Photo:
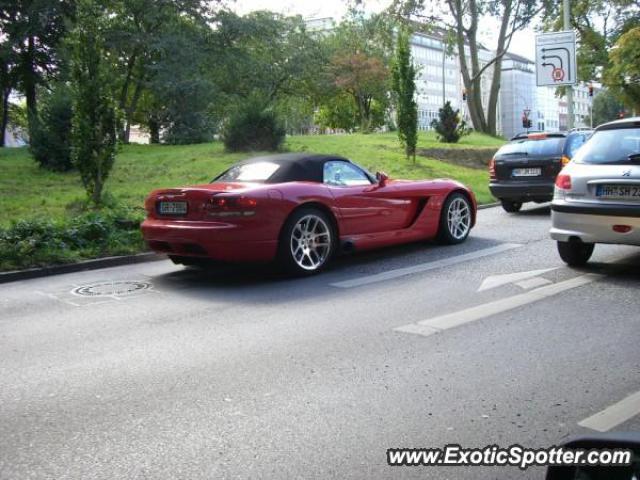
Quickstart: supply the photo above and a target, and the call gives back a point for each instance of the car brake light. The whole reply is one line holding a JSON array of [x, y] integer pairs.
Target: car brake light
[[565, 160], [492, 168], [622, 228], [537, 136], [224, 206], [563, 182]]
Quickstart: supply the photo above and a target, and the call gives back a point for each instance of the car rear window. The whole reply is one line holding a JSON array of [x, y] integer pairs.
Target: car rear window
[[611, 146], [545, 146], [249, 172], [574, 142]]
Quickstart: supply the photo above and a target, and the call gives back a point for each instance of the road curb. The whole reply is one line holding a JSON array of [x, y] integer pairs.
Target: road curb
[[488, 205], [95, 264]]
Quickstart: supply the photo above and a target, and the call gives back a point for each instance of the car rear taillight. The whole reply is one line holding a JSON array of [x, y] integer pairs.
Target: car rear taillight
[[492, 169], [565, 160], [622, 228], [563, 182], [226, 206]]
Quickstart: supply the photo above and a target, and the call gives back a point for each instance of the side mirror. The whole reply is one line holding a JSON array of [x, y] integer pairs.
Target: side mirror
[[382, 178]]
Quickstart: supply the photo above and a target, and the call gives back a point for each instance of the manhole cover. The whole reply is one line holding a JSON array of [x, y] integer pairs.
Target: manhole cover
[[111, 289]]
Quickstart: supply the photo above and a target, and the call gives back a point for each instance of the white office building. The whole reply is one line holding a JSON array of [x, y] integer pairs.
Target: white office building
[[517, 94], [547, 110], [439, 79]]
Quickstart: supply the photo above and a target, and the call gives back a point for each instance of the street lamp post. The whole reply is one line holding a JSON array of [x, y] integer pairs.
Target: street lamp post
[[567, 26]]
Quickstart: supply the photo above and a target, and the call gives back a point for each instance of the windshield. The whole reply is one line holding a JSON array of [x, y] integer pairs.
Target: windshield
[[610, 146], [547, 146], [249, 172]]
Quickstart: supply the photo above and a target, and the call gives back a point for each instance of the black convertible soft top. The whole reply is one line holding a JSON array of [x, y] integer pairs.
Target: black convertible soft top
[[296, 167]]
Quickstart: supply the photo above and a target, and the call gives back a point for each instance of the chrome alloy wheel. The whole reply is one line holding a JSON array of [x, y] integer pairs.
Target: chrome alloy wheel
[[459, 218], [310, 242]]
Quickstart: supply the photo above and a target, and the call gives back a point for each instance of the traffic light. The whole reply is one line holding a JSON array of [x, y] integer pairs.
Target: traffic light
[[464, 94], [591, 90]]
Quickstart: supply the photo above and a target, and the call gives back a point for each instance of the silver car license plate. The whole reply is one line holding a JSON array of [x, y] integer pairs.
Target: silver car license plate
[[618, 192], [526, 172], [172, 208]]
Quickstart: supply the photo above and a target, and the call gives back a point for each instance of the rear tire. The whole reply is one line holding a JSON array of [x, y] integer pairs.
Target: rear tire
[[511, 206], [455, 219], [575, 254], [307, 242]]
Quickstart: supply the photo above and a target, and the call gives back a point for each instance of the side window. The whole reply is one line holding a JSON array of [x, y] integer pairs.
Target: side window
[[343, 174], [574, 142]]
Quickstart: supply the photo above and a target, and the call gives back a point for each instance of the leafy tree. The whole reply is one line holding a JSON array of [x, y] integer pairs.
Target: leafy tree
[[338, 112], [7, 81], [404, 87], [94, 116], [271, 56], [253, 127], [360, 50], [268, 53], [606, 108], [137, 36], [449, 125], [50, 141], [599, 24], [623, 75], [32, 32], [365, 79], [466, 15], [297, 112], [180, 93]]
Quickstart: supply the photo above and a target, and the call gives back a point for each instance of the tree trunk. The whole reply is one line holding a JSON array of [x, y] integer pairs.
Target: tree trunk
[[131, 109], [29, 83], [5, 115], [472, 86], [124, 93], [154, 130], [494, 93]]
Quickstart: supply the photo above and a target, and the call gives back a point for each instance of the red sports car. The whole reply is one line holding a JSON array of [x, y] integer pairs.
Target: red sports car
[[301, 209]]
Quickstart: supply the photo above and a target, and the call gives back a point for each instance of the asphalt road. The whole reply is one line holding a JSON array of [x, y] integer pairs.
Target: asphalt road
[[240, 373]]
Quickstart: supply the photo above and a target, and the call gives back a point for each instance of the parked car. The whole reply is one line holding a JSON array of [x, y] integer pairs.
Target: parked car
[[301, 209], [525, 169], [597, 196]]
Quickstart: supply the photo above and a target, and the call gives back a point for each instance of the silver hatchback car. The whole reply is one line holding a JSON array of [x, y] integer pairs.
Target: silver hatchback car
[[597, 195]]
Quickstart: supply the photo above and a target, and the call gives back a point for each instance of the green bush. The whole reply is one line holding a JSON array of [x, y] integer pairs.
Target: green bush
[[253, 127], [50, 141], [449, 125], [90, 234]]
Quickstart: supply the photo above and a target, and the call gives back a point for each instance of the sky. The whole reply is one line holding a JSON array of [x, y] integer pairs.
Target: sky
[[523, 42]]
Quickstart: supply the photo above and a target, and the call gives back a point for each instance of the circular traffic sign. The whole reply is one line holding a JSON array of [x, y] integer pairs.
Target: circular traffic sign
[[557, 74]]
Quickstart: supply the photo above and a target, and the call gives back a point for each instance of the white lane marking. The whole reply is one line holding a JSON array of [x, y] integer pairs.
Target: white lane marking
[[498, 280], [423, 267], [614, 415], [533, 283], [451, 320]]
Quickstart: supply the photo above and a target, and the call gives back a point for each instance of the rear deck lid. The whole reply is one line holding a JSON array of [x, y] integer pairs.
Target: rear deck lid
[[188, 203], [537, 158], [607, 168]]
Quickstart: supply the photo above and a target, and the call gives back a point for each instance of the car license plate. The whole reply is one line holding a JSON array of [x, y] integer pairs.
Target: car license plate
[[526, 172], [619, 192], [172, 208]]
